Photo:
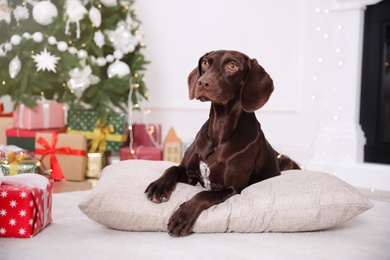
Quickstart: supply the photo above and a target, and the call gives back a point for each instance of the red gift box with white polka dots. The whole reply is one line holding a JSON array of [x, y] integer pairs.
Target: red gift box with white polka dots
[[24, 210]]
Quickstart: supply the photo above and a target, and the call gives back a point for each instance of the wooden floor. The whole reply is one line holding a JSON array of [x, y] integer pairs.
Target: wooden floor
[[66, 186]]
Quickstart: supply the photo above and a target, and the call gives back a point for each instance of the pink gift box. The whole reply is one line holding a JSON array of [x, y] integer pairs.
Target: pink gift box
[[24, 209], [46, 115], [141, 153], [146, 135]]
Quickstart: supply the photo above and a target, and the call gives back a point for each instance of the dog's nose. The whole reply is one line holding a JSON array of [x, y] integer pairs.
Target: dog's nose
[[203, 83]]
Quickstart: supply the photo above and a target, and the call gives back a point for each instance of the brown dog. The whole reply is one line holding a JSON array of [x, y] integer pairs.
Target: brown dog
[[230, 151]]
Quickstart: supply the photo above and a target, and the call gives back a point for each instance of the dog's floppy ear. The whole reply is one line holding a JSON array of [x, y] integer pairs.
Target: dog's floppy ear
[[192, 79], [257, 87]]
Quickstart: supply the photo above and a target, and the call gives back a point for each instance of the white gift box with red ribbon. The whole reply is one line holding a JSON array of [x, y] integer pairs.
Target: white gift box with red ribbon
[[25, 204]]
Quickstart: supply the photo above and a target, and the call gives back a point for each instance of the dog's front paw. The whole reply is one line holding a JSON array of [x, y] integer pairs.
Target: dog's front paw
[[159, 191], [182, 220]]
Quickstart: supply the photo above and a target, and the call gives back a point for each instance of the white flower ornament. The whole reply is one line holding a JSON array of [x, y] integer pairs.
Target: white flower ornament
[[75, 12]]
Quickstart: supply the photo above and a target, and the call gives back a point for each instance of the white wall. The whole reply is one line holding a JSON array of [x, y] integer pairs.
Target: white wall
[[311, 49], [277, 33]]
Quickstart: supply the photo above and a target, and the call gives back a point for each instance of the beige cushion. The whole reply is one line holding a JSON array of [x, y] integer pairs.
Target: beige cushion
[[294, 201]]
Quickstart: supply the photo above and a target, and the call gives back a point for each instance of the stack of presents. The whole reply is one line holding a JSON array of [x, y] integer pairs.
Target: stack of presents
[[37, 142]]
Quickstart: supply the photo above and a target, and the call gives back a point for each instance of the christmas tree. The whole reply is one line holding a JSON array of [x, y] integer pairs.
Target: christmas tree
[[81, 52]]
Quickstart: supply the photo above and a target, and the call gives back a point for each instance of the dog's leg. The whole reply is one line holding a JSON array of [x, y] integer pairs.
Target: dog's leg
[[183, 219], [161, 189]]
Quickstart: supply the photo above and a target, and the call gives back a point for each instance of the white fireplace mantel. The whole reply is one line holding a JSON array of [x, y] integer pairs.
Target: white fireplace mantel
[[340, 5], [339, 144]]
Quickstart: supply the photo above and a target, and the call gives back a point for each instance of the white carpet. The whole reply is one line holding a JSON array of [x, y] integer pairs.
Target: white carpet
[[73, 236]]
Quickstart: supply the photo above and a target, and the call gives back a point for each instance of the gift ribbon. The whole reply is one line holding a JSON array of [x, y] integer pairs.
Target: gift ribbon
[[46, 113], [108, 137], [14, 160], [99, 135], [21, 112], [99, 138], [51, 150]]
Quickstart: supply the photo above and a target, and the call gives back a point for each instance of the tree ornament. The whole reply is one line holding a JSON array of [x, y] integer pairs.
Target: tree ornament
[[98, 38], [26, 35], [15, 39], [75, 12], [43, 12], [118, 54], [121, 39], [72, 50], [45, 61], [62, 46], [14, 67], [101, 62], [21, 13], [124, 2], [118, 68], [95, 16], [109, 3], [82, 54], [7, 46], [52, 40], [81, 79], [5, 12], [110, 58], [37, 37]]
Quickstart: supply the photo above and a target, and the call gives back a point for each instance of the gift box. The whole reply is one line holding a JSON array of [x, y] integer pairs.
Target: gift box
[[25, 205], [64, 154], [5, 123], [103, 135], [96, 162], [26, 138], [17, 163], [45, 115], [141, 153], [2, 113], [4, 149], [146, 135]]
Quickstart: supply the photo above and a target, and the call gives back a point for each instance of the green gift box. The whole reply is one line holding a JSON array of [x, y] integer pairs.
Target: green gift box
[[107, 134]]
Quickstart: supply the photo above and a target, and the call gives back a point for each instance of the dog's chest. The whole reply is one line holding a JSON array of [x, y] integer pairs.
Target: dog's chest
[[205, 174]]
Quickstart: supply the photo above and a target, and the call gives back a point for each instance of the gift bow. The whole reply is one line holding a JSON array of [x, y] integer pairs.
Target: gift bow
[[14, 160], [99, 138], [51, 150]]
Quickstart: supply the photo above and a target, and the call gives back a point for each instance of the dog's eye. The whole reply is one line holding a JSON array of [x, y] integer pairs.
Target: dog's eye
[[232, 66], [205, 63]]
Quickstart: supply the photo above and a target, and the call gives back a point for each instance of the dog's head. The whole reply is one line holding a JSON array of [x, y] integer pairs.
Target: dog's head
[[225, 76]]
